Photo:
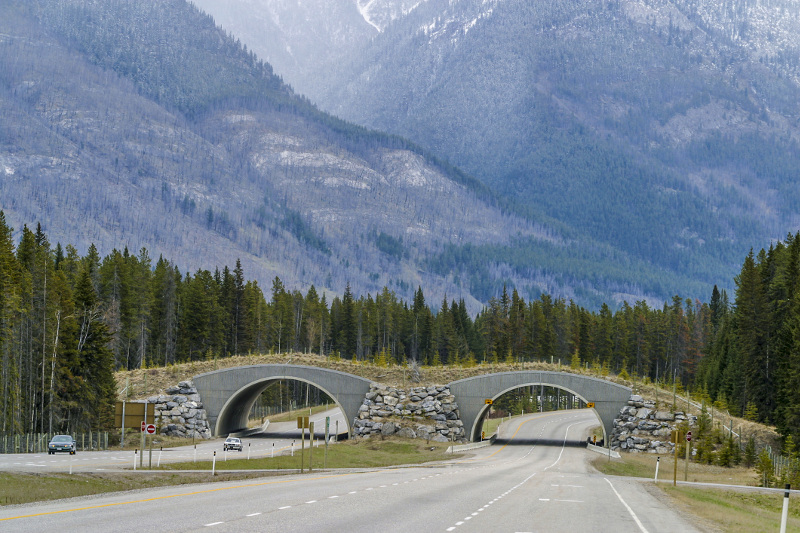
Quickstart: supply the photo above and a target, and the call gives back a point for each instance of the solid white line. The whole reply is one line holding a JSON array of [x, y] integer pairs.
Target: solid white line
[[635, 518]]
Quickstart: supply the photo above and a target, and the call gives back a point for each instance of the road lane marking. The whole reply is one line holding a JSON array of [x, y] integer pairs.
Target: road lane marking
[[284, 507], [253, 514], [635, 518], [214, 524]]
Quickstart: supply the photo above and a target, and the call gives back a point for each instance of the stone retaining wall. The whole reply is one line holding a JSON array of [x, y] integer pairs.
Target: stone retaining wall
[[180, 412], [421, 412], [642, 429]]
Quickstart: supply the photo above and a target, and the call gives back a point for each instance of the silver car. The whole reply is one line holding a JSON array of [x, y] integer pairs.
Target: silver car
[[232, 443], [62, 443]]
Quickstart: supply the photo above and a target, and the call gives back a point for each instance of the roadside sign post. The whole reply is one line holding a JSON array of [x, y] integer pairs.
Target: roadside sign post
[[302, 424], [686, 464], [150, 429], [327, 432], [675, 469], [310, 446]]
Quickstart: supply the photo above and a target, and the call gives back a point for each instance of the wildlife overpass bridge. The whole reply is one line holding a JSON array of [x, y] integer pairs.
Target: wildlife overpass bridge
[[228, 395], [472, 394]]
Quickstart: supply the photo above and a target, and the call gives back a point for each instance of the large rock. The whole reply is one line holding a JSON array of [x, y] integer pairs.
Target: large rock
[[406, 433]]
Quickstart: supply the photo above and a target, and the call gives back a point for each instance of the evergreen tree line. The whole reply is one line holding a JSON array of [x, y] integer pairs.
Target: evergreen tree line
[[67, 322], [751, 360]]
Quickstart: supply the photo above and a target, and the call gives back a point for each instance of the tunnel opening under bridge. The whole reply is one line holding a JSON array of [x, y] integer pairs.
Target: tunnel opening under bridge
[[229, 395], [476, 394], [526, 400], [282, 401]]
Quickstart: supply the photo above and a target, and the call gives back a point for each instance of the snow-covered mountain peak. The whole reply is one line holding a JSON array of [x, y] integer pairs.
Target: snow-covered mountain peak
[[380, 13]]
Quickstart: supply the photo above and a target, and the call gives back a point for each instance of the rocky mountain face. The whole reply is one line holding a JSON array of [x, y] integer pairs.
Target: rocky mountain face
[[663, 131], [143, 125]]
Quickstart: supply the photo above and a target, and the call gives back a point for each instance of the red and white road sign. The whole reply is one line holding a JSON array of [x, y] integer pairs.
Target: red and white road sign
[[151, 429], [688, 436], [143, 426]]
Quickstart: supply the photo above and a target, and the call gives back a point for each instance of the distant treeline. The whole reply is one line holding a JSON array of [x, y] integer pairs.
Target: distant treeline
[[67, 322]]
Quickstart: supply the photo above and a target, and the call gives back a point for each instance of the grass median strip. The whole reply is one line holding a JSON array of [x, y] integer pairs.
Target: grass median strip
[[22, 488], [370, 453]]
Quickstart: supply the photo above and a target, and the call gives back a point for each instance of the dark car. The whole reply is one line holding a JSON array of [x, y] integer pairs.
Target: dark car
[[232, 443], [62, 443]]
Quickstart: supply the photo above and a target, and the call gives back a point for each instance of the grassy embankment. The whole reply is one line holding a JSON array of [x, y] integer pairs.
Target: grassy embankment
[[727, 509]]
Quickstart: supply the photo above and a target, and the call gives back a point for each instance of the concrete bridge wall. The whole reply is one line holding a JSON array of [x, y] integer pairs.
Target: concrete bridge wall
[[229, 394], [472, 393]]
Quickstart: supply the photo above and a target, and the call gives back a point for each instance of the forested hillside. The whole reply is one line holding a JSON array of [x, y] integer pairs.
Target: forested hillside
[[666, 130], [68, 321]]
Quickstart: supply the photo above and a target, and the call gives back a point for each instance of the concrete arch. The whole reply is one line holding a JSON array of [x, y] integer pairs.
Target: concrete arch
[[472, 393], [229, 394]]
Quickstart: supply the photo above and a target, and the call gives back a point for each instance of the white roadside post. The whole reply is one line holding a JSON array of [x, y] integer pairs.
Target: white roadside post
[[248, 451], [658, 462], [160, 451], [272, 456], [134, 459], [214, 464], [785, 513]]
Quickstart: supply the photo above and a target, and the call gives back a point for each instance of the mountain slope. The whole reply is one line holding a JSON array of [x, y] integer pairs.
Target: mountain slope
[[143, 125], [667, 129]]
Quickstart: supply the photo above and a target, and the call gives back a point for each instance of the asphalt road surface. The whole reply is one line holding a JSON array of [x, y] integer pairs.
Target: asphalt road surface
[[276, 440], [536, 478]]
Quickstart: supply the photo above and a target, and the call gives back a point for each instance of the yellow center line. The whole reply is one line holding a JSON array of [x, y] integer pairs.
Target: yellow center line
[[218, 489]]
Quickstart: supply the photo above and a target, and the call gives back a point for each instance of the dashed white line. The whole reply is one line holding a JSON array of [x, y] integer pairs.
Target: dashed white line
[[253, 514], [284, 507], [214, 524]]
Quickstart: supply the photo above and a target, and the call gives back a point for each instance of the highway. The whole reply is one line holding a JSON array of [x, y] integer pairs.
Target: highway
[[276, 440], [536, 478]]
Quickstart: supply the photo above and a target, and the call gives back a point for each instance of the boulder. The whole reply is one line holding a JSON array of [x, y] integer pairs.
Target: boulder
[[406, 433]]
